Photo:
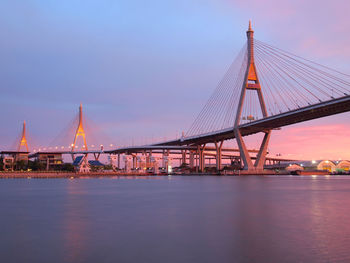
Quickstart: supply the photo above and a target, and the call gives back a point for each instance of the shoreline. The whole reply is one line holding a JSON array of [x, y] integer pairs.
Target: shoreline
[[75, 175], [69, 175], [72, 175]]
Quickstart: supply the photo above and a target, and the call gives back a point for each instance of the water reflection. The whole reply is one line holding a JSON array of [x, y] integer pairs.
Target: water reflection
[[177, 219], [75, 225]]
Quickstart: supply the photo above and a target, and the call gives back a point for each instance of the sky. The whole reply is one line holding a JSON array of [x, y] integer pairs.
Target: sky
[[144, 69]]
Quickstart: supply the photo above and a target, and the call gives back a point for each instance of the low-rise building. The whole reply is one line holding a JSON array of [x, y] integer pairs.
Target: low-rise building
[[49, 160], [13, 158]]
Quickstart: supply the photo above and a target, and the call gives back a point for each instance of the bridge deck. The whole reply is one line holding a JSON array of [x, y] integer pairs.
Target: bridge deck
[[322, 109]]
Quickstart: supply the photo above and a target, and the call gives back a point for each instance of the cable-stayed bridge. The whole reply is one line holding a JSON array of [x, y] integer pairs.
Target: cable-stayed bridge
[[265, 88]]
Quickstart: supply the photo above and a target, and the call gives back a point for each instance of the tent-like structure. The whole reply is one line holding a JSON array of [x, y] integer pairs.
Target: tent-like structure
[[326, 165], [294, 167], [343, 166]]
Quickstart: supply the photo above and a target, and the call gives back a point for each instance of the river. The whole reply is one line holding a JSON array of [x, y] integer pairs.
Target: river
[[176, 219]]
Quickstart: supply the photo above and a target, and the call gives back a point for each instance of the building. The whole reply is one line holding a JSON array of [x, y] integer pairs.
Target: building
[[321, 165], [12, 159], [49, 160], [82, 165], [8, 163]]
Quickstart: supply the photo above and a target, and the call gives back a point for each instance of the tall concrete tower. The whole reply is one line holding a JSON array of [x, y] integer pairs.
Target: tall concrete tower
[[251, 82], [23, 142], [80, 130]]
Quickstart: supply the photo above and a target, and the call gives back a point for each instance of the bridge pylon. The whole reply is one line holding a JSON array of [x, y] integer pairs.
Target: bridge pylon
[[80, 132], [23, 141], [251, 82]]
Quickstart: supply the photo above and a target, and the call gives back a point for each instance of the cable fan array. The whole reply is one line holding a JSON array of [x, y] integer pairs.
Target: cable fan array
[[220, 109], [94, 136], [288, 82]]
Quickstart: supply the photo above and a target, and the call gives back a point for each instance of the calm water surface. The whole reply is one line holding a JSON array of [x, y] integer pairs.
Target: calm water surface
[[176, 219]]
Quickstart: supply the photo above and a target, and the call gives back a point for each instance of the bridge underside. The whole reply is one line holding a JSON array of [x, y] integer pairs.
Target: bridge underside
[[199, 143], [322, 109]]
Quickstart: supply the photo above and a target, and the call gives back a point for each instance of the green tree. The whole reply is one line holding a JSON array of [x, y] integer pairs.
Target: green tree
[[68, 167], [36, 165], [108, 167], [21, 165]]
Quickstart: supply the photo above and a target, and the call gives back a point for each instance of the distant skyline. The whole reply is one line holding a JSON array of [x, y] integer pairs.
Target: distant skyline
[[144, 69]]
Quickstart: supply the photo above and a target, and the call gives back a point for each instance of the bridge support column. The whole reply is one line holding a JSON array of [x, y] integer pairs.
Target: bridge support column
[[248, 164], [191, 159], [148, 159], [218, 147], [118, 160], [261, 157], [134, 162], [197, 157], [166, 163], [183, 160], [201, 158], [201, 161], [97, 156]]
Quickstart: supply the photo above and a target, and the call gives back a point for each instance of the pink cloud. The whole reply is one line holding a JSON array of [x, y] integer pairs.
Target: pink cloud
[[313, 142]]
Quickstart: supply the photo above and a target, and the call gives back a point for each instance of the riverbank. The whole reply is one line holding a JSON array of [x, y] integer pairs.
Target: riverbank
[[71, 175], [45, 175]]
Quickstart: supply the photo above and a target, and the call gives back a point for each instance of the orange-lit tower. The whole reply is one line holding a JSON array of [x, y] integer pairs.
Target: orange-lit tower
[[80, 130], [251, 82], [23, 142]]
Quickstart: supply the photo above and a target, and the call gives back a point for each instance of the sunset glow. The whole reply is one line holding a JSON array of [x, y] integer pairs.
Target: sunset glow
[[135, 74]]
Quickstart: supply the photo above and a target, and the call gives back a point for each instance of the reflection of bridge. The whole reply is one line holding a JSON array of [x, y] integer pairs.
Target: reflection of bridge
[[264, 89]]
